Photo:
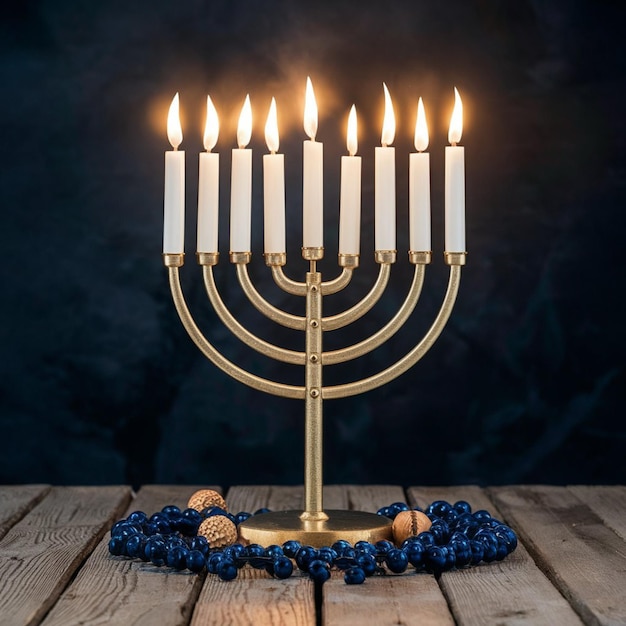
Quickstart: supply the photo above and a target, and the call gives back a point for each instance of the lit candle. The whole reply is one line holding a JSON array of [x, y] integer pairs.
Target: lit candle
[[273, 187], [208, 184], [174, 196], [419, 187], [385, 182], [455, 181], [241, 184], [350, 200], [312, 176]]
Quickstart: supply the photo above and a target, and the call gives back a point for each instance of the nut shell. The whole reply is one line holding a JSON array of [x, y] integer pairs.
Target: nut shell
[[219, 531], [205, 498], [409, 524]]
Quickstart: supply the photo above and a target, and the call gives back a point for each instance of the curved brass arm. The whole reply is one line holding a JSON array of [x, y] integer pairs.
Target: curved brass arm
[[262, 384], [258, 344], [337, 284], [276, 315], [410, 359], [369, 344], [286, 284], [361, 308]]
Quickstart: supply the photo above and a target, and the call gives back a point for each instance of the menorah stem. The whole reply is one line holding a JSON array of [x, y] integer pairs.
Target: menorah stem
[[313, 428]]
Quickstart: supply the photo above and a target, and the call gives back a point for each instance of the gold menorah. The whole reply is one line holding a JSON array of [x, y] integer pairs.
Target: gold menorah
[[313, 525]]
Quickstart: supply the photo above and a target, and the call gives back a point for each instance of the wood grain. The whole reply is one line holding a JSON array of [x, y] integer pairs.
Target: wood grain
[[582, 557], [608, 503], [406, 599], [116, 590], [254, 597], [40, 554], [16, 501], [514, 591]]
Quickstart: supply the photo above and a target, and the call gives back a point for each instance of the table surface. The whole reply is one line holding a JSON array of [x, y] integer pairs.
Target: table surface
[[55, 569]]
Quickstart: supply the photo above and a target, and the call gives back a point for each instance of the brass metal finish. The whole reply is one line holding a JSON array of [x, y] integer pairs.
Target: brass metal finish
[[275, 258], [173, 260], [286, 284], [348, 260], [281, 526], [312, 254], [208, 258], [421, 258], [240, 258], [385, 256], [337, 284], [455, 258]]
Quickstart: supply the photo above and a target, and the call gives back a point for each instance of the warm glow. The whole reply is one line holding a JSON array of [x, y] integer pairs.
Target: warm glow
[[389, 122], [271, 129], [174, 131], [352, 142], [310, 111], [212, 126], [244, 128], [421, 129], [456, 121]]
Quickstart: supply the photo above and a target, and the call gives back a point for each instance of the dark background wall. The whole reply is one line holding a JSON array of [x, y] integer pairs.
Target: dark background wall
[[99, 382]]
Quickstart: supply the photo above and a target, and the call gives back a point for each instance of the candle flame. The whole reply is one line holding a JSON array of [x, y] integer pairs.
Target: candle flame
[[244, 128], [212, 126], [271, 129], [456, 121], [352, 142], [421, 129], [174, 131], [389, 122], [310, 111]]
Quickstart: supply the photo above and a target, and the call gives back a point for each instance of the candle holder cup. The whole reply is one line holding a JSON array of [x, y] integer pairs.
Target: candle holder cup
[[313, 525]]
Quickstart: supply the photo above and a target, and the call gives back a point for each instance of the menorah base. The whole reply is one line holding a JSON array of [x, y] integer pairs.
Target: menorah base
[[280, 526]]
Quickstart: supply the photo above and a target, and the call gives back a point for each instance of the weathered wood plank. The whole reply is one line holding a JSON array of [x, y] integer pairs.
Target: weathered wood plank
[[512, 592], [581, 556], [608, 502], [119, 591], [406, 599], [16, 501], [255, 597], [40, 554]]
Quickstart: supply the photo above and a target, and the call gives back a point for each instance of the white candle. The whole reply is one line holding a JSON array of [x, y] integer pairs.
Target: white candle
[[174, 195], [312, 177], [208, 184], [455, 181], [273, 187], [419, 187], [241, 184], [385, 182], [350, 200]]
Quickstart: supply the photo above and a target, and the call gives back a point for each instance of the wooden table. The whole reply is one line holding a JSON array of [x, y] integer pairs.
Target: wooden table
[[570, 566]]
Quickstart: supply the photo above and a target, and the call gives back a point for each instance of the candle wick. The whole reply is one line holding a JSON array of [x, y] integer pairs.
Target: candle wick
[[272, 151], [453, 144], [384, 145]]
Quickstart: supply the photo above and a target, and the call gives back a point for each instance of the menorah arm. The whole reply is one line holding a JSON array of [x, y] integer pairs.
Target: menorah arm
[[354, 313], [281, 317], [369, 344], [410, 359], [256, 382], [258, 344]]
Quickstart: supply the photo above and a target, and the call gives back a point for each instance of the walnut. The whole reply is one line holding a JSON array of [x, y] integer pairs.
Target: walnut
[[218, 530], [205, 498], [409, 524]]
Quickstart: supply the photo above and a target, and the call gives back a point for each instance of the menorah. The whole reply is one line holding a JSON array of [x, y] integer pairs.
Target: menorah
[[313, 524]]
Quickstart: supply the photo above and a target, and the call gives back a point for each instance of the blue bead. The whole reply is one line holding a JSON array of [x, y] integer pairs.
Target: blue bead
[[481, 515], [367, 563], [427, 539], [261, 511], [177, 558], [415, 553], [227, 570], [396, 560], [344, 562], [200, 543], [213, 561], [117, 546], [384, 512], [135, 545], [327, 554], [397, 507], [156, 550], [256, 555], [171, 511], [149, 529], [478, 551], [137, 517], [341, 546], [435, 559], [273, 551], [319, 571], [383, 546], [461, 506], [283, 567], [304, 556], [365, 546], [195, 561], [354, 576], [440, 508], [490, 544], [290, 548], [441, 531], [242, 517]]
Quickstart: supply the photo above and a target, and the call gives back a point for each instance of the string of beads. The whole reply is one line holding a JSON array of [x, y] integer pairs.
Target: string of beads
[[457, 538]]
